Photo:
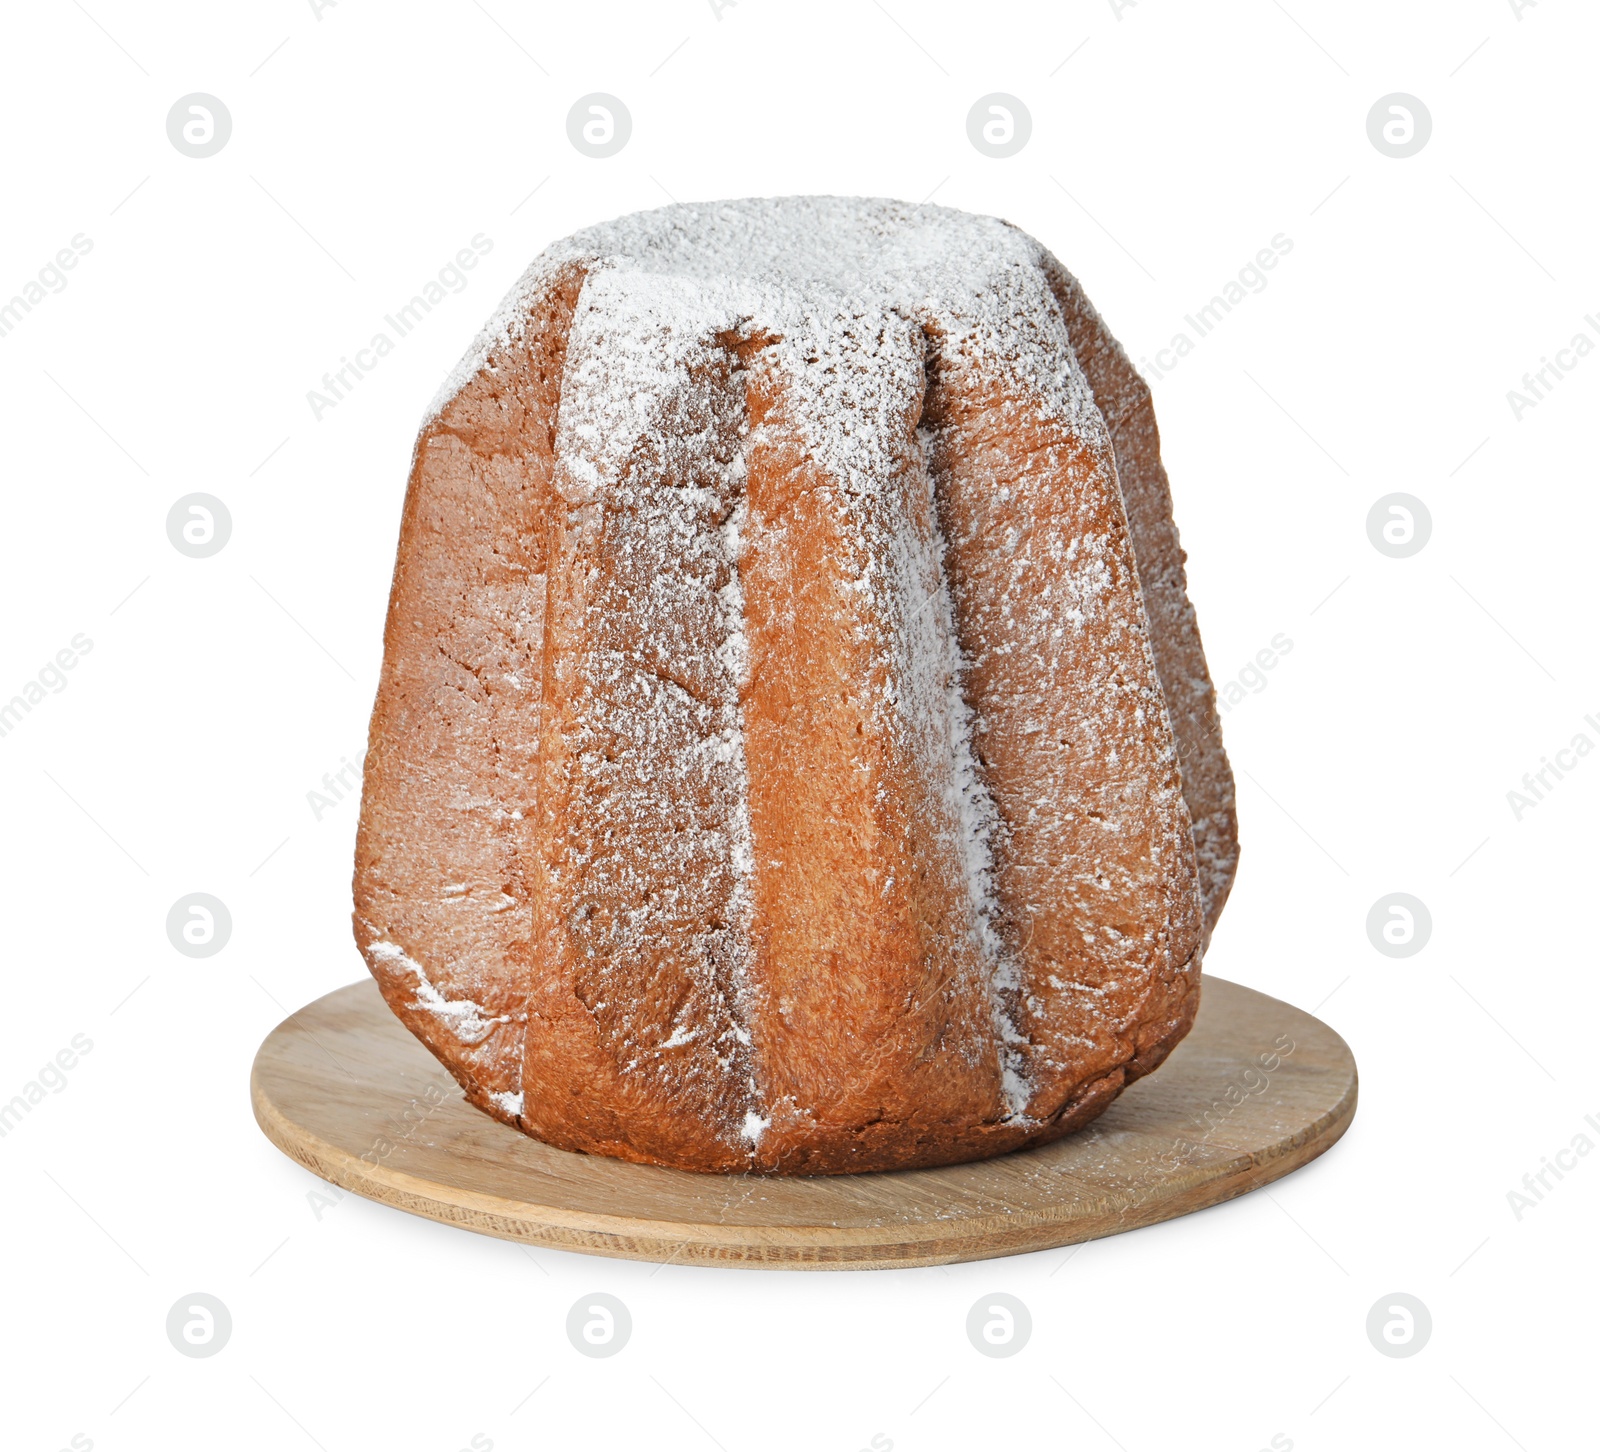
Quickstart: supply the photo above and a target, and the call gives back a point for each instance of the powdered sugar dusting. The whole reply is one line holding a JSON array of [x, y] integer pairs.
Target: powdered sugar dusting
[[467, 1020], [933, 707]]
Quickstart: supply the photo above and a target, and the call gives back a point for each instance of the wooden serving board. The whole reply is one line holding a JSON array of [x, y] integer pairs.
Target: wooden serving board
[[1256, 1090]]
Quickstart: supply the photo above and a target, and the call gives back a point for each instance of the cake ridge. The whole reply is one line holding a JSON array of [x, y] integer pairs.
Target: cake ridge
[[938, 665], [734, 655]]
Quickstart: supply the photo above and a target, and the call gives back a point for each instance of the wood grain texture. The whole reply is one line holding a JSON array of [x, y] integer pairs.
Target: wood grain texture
[[1256, 1090]]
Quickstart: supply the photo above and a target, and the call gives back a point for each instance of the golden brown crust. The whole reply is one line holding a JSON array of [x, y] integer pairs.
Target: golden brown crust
[[442, 852], [1124, 399], [633, 842], [1070, 729]]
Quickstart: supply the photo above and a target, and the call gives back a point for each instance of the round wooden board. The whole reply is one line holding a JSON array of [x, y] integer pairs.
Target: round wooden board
[[1256, 1090]]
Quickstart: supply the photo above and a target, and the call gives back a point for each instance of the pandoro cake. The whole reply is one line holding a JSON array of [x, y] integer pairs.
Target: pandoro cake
[[794, 751]]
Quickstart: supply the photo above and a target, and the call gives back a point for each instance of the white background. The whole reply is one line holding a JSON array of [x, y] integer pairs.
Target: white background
[[372, 143]]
